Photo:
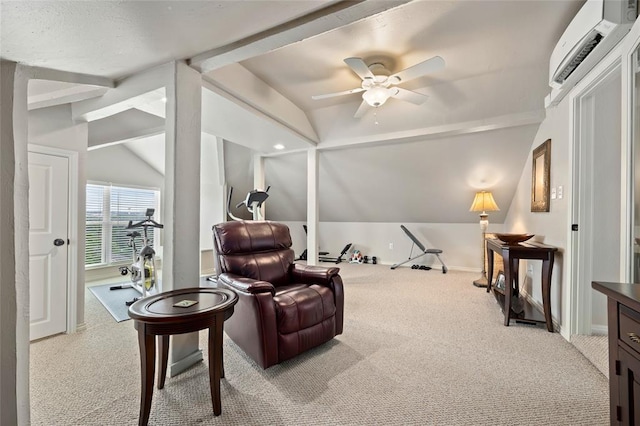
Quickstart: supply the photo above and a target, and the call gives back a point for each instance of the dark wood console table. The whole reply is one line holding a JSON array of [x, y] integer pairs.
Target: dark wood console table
[[511, 254], [623, 311], [158, 316]]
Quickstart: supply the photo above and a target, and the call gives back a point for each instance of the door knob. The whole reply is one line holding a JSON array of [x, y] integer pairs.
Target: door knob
[[58, 242]]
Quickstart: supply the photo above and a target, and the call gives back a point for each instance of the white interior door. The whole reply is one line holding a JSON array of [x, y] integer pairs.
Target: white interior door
[[48, 242], [597, 198], [630, 221]]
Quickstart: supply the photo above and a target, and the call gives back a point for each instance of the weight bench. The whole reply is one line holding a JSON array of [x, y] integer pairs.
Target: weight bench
[[335, 259], [424, 250]]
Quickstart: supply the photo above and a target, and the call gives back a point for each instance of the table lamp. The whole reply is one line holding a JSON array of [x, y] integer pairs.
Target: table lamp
[[483, 202]]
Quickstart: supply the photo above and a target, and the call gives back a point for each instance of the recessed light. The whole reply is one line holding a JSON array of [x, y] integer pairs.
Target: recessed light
[[279, 146]]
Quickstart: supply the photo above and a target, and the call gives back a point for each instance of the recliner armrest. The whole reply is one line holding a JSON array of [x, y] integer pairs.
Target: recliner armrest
[[246, 285], [312, 274]]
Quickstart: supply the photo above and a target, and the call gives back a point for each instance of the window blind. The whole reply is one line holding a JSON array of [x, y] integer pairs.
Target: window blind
[[94, 254], [109, 210]]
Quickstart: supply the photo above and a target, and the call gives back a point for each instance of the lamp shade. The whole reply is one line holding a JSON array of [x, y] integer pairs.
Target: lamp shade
[[483, 202]]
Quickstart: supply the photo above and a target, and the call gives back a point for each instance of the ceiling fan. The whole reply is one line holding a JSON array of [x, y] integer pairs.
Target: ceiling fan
[[378, 84]]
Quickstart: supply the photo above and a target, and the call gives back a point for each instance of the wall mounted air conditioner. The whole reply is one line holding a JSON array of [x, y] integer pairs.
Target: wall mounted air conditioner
[[595, 30]]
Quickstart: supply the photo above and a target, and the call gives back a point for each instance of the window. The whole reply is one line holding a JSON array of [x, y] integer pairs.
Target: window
[[109, 210]]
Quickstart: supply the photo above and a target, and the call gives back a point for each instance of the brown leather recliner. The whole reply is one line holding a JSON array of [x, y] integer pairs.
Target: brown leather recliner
[[283, 308]]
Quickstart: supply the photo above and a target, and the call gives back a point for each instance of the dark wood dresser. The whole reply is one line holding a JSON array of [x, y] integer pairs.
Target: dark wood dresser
[[623, 306]]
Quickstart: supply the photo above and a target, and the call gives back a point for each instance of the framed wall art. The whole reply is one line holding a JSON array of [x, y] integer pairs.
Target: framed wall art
[[540, 173]]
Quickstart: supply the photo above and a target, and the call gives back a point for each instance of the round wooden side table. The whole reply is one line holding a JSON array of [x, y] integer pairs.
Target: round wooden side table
[[174, 312]]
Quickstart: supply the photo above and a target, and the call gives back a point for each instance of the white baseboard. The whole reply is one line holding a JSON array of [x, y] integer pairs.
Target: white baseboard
[[185, 363], [600, 330]]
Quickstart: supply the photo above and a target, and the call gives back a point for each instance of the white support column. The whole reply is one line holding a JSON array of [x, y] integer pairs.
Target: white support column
[[222, 177], [212, 196], [258, 179], [312, 206], [21, 234], [181, 254], [14, 251], [8, 305]]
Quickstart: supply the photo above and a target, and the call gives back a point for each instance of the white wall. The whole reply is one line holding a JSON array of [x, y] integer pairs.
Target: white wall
[[53, 127], [427, 181], [120, 166], [460, 242], [554, 226], [551, 227]]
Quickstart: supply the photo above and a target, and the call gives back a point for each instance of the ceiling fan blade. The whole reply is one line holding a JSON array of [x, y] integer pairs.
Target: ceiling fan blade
[[359, 67], [331, 95], [410, 96], [418, 70], [364, 107]]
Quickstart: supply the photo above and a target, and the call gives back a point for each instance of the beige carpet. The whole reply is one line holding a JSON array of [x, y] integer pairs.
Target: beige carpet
[[419, 348], [595, 349]]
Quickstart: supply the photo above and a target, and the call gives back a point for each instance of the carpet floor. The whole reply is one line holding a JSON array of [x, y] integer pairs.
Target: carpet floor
[[595, 349], [418, 348]]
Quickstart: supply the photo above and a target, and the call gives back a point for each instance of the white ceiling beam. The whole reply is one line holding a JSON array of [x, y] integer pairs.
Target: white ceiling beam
[[139, 89], [321, 21], [65, 96], [208, 84], [129, 103], [247, 88], [437, 132], [129, 137], [38, 73], [159, 109]]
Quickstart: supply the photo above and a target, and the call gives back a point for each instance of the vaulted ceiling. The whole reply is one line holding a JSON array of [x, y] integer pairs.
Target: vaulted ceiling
[[496, 53], [263, 60]]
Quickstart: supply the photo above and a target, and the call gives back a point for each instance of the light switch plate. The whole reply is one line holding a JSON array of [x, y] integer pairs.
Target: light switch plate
[[560, 191]]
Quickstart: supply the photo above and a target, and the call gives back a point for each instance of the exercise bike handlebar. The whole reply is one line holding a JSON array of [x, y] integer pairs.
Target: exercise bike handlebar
[[254, 199], [145, 223], [148, 222]]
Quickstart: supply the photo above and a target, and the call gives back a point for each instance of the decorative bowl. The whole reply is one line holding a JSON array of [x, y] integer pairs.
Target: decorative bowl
[[512, 239]]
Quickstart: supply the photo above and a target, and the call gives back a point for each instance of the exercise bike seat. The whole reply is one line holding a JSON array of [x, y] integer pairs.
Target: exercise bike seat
[[133, 234]]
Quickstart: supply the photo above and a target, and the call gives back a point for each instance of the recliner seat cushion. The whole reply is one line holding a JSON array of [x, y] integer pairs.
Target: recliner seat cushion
[[289, 287], [306, 318], [292, 344], [302, 308]]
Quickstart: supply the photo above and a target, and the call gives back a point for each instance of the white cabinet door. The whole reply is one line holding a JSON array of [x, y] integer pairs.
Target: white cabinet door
[[48, 223]]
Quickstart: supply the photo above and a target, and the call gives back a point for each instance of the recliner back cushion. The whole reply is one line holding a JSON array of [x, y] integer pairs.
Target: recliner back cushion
[[258, 250]]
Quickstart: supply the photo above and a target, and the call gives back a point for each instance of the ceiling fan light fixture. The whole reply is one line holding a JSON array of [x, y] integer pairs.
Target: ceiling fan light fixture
[[376, 96]]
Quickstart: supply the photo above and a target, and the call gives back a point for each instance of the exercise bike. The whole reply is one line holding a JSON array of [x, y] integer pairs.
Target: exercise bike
[[143, 272], [253, 202]]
